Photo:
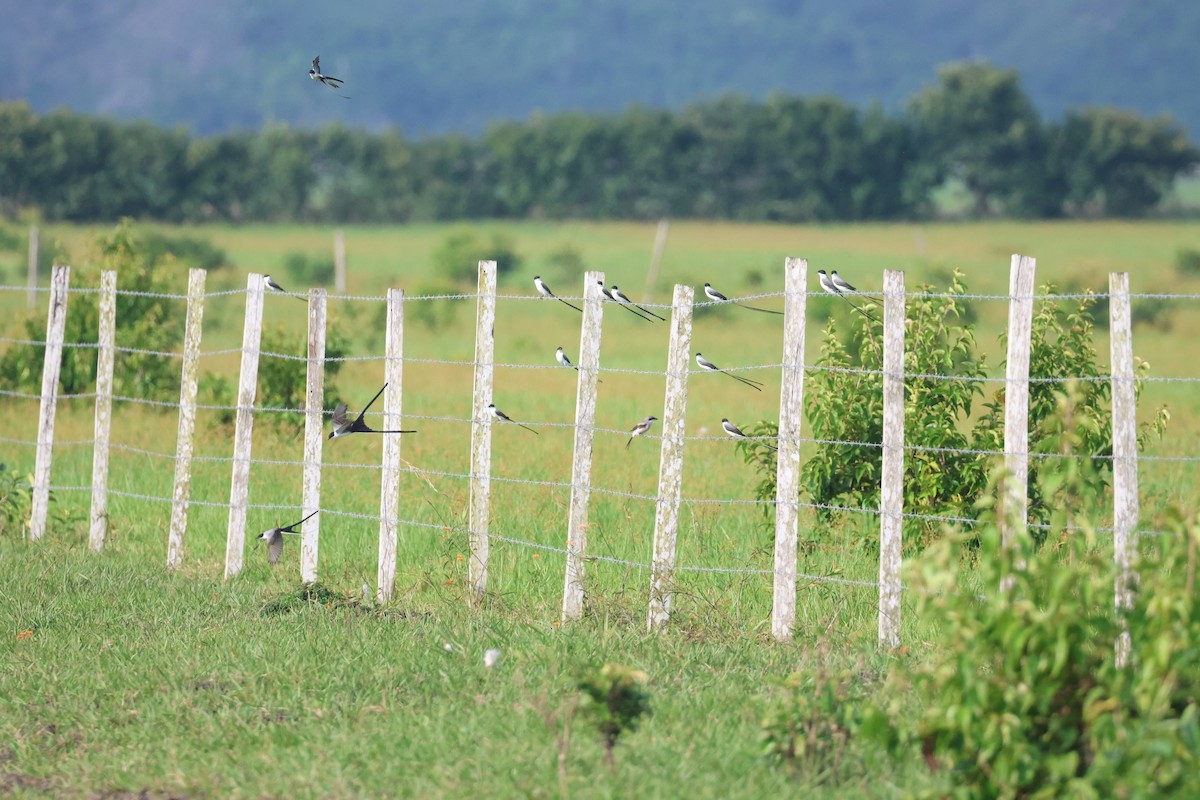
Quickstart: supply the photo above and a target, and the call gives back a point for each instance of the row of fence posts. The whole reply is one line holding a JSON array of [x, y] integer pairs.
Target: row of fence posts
[[666, 521]]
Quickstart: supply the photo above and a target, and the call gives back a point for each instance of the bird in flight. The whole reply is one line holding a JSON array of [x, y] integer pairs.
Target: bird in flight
[[628, 307], [328, 80], [715, 296], [342, 426], [736, 432], [544, 290], [273, 285], [836, 285], [274, 537], [500, 415], [705, 364], [620, 297], [639, 429], [561, 357]]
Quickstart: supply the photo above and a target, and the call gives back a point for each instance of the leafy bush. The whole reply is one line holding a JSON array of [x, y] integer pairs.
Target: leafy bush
[[565, 266], [615, 699], [304, 270], [944, 480], [282, 383], [10, 240], [147, 323], [191, 251], [16, 495], [457, 258], [1021, 695], [1187, 262], [809, 730]]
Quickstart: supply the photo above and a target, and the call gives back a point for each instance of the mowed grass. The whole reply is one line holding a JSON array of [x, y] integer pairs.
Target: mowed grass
[[134, 679]]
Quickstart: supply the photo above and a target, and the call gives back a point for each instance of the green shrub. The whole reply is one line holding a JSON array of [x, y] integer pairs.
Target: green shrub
[[614, 699], [1187, 262], [565, 266], [191, 251], [809, 729], [304, 270], [847, 406], [283, 382], [1020, 695], [457, 258], [148, 323]]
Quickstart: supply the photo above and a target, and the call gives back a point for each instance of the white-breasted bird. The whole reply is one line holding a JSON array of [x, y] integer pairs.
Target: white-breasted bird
[[736, 432], [715, 296], [328, 80], [639, 429], [274, 537], [836, 285], [500, 415], [561, 357], [608, 296], [544, 290], [708, 366], [622, 298], [274, 286], [343, 426]]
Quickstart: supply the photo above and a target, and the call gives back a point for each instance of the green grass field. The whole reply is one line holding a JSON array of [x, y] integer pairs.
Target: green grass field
[[187, 685]]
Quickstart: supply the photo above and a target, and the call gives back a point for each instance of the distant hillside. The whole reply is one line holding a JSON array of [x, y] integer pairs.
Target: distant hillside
[[435, 67]]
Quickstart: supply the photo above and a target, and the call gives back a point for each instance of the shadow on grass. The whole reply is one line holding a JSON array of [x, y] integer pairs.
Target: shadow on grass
[[318, 594]]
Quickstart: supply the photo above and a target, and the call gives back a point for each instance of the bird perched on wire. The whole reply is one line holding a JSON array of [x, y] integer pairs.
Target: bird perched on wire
[[708, 366], [343, 426], [639, 429], [717, 297], [328, 80], [736, 432], [561, 357], [274, 537], [836, 285], [500, 415], [621, 298], [544, 291], [274, 286], [627, 306]]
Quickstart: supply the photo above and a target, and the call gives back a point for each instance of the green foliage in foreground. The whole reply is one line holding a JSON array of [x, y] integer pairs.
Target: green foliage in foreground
[[843, 405]]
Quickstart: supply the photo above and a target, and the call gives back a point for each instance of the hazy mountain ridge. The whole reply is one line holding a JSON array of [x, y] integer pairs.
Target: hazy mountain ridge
[[430, 68]]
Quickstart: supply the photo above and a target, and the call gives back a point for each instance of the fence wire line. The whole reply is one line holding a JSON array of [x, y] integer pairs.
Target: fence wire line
[[537, 297]]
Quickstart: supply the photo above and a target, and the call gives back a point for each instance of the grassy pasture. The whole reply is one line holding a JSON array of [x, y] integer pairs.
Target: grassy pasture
[[133, 679]]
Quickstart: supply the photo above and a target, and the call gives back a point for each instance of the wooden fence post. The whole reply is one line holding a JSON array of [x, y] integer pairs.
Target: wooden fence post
[[660, 245], [787, 475], [106, 339], [1014, 516], [187, 417], [481, 432], [339, 261], [56, 325], [314, 435], [670, 470], [1125, 477], [891, 519], [389, 496], [34, 255], [243, 432], [585, 434]]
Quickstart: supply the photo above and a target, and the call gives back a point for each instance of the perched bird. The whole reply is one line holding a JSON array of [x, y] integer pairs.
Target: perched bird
[[639, 429], [274, 537], [707, 365], [342, 426], [620, 297], [608, 295], [836, 285], [566, 362], [736, 433], [714, 295], [273, 285], [544, 290], [500, 415], [328, 80]]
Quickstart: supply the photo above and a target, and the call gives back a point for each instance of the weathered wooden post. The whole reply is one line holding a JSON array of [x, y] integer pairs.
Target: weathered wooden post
[[1015, 497], [389, 496], [1125, 473], [787, 475], [243, 432], [670, 471], [339, 261], [34, 255], [314, 435], [106, 340], [585, 434], [56, 326], [481, 432], [181, 496], [891, 519]]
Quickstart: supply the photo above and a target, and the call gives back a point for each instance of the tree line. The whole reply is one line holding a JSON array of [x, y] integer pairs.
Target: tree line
[[786, 158]]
